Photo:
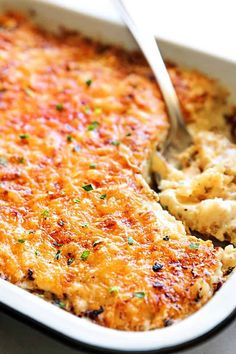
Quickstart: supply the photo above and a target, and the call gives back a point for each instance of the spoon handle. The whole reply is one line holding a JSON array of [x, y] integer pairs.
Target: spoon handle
[[149, 47]]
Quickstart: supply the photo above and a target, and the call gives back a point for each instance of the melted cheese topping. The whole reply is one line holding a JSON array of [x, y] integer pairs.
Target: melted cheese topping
[[78, 223]]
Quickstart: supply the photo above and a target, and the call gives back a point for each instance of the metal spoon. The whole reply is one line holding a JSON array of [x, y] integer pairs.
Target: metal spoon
[[178, 138]]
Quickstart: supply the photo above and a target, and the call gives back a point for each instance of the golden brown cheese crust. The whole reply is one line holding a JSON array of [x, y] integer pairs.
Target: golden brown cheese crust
[[77, 222]]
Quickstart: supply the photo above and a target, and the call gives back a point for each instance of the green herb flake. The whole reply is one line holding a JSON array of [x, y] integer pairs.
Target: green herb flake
[[24, 136], [139, 294], [84, 225], [84, 255], [97, 111], [70, 261], [60, 304], [58, 255], [45, 213], [59, 107], [87, 109], [30, 232], [21, 240], [29, 92], [130, 240], [3, 161], [37, 253], [89, 82], [103, 196], [93, 126], [97, 242], [194, 246], [128, 134], [113, 290], [76, 200], [87, 187], [69, 138], [92, 166], [115, 142]]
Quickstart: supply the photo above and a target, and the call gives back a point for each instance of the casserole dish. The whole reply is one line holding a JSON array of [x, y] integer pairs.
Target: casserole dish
[[82, 330]]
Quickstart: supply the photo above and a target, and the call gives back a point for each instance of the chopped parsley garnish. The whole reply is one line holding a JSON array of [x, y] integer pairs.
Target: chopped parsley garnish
[[69, 138], [45, 213], [88, 82], [84, 255], [139, 294], [92, 166], [3, 161], [76, 200], [103, 196], [76, 148], [21, 240], [115, 142], [87, 109], [130, 240], [93, 126], [29, 92], [97, 242], [60, 303], [85, 224], [24, 136], [70, 260], [37, 253], [61, 223], [128, 134], [59, 107], [58, 255], [194, 246], [97, 111], [30, 232], [88, 187], [113, 289]]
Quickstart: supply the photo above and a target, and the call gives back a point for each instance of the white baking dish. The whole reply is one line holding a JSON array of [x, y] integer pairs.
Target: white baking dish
[[86, 335]]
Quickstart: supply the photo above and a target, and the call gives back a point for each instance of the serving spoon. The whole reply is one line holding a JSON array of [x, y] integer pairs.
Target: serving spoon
[[178, 138]]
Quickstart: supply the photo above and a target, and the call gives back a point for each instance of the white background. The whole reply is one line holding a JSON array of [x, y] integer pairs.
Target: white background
[[208, 25]]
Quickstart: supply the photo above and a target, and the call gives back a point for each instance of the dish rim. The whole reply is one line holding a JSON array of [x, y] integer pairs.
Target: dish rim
[[89, 348], [8, 306], [62, 338]]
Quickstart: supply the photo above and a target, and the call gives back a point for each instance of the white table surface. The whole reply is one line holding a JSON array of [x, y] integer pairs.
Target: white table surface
[[208, 25]]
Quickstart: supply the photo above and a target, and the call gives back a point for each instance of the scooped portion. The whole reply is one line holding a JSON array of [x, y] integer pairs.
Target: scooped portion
[[203, 193]]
